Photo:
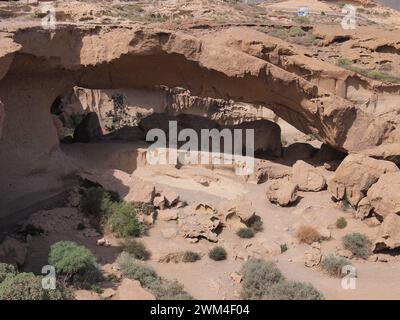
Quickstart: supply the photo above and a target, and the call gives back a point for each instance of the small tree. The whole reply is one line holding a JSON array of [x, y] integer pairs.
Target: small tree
[[119, 115], [74, 262]]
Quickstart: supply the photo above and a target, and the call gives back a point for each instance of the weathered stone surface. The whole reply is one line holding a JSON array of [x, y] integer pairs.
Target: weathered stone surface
[[307, 177], [281, 191], [356, 174], [384, 196], [159, 202], [199, 221], [142, 191], [389, 233], [167, 214], [132, 290], [206, 69], [313, 256], [364, 209], [237, 214], [267, 170]]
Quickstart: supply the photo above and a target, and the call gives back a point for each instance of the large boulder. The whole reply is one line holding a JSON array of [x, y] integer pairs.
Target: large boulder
[[384, 196], [237, 214], [388, 234], [281, 191], [355, 175], [199, 221], [267, 170], [89, 129], [307, 177]]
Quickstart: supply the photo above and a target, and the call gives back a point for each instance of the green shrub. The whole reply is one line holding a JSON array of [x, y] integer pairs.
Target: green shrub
[[296, 32], [95, 201], [136, 249], [7, 270], [148, 278], [217, 254], [284, 247], [132, 269], [256, 224], [245, 233], [358, 244], [333, 265], [123, 222], [168, 290], [190, 256], [27, 286], [258, 276], [74, 262], [292, 290], [97, 289], [23, 286], [341, 223]]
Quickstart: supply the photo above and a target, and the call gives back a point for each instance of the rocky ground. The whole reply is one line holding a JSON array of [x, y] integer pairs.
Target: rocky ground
[[324, 103]]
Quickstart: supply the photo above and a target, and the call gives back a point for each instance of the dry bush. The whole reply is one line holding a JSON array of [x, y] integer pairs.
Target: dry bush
[[307, 234]]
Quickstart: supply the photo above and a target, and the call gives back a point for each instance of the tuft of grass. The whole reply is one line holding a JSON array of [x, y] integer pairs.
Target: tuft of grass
[[217, 254], [190, 256], [372, 74], [245, 233], [284, 247], [293, 290], [136, 249], [341, 223], [333, 265], [296, 31], [308, 235], [359, 245]]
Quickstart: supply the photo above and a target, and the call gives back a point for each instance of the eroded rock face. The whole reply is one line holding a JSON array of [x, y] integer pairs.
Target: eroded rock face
[[199, 221], [384, 196], [389, 233], [122, 57], [307, 177], [237, 214], [355, 175], [281, 191]]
